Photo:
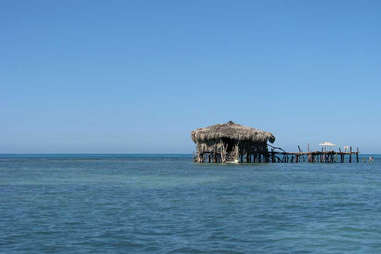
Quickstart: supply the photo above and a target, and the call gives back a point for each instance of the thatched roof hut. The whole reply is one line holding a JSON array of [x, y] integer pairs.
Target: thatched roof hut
[[229, 142]]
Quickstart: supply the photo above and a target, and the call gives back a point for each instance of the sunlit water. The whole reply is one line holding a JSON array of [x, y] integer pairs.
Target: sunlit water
[[167, 204]]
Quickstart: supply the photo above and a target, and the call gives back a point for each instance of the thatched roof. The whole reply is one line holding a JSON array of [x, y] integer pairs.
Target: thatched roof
[[233, 131]]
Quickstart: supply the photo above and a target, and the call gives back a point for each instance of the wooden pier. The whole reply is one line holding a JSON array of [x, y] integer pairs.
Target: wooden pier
[[315, 157], [276, 156]]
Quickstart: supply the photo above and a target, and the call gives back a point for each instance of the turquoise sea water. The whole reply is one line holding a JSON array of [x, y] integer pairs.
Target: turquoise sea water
[[167, 204]]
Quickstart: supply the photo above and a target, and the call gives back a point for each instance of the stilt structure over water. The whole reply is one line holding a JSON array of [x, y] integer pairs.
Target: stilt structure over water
[[234, 143], [231, 142]]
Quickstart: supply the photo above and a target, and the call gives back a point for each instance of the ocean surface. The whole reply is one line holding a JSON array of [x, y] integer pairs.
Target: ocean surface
[[168, 204]]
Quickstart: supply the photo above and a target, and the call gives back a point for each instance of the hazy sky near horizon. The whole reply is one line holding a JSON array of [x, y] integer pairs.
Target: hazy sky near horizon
[[138, 76]]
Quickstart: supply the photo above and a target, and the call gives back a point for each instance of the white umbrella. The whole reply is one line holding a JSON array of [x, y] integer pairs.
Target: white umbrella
[[326, 144]]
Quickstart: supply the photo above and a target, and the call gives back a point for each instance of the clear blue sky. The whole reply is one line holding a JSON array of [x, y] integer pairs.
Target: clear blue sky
[[137, 76]]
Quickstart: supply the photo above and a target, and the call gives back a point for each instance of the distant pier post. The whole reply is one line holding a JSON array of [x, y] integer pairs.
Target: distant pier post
[[357, 155], [350, 155]]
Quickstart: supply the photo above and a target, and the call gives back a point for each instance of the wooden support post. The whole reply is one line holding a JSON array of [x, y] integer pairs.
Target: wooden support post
[[223, 154], [272, 155], [267, 156], [350, 154], [357, 155]]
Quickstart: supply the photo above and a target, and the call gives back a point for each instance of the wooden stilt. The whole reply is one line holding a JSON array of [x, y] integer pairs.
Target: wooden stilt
[[350, 154], [357, 155], [267, 156]]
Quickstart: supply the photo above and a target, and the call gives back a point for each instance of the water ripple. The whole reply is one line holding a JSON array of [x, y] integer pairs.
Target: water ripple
[[170, 205]]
